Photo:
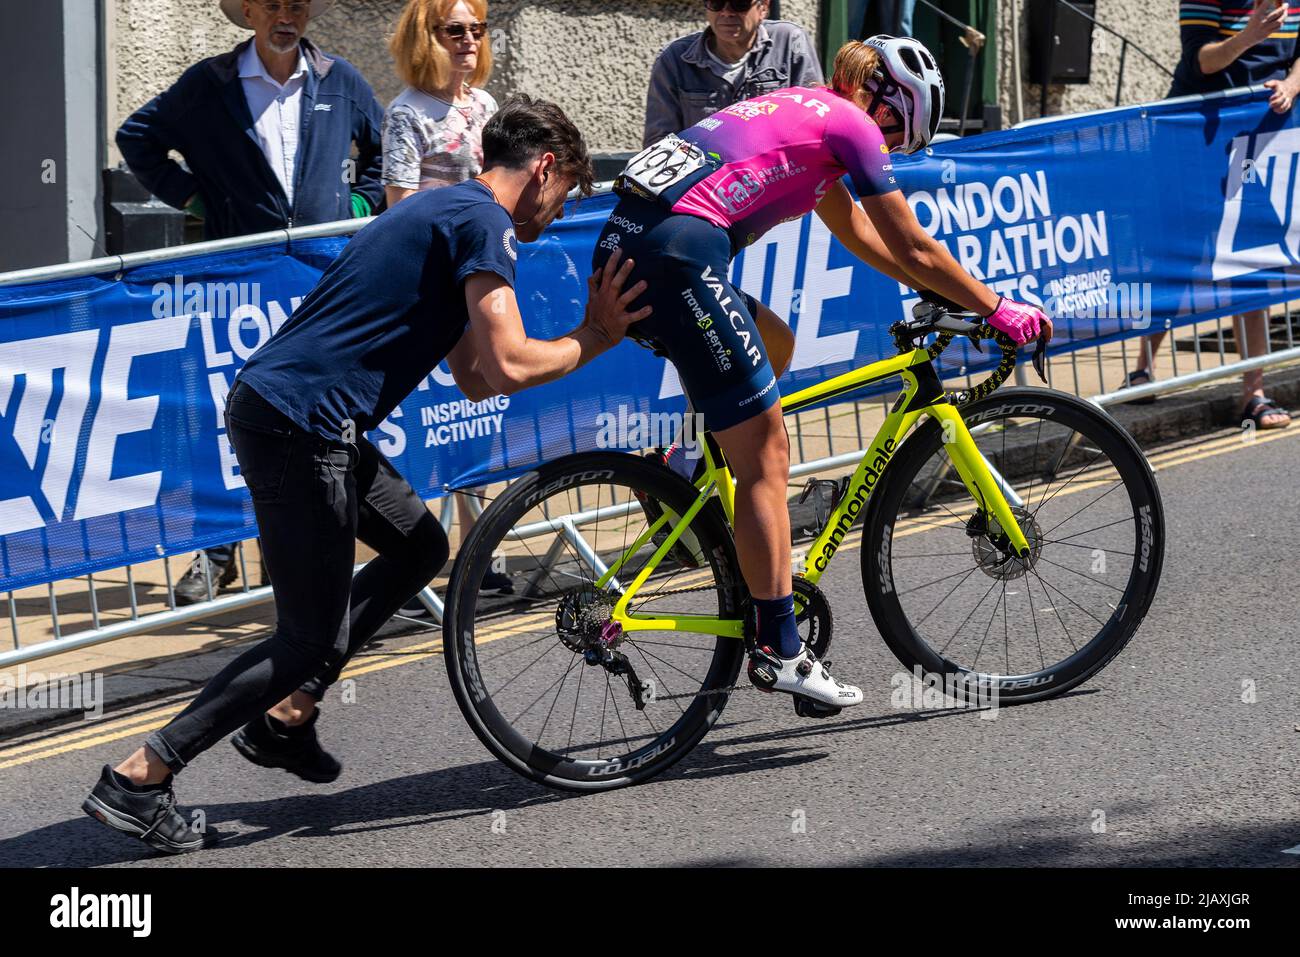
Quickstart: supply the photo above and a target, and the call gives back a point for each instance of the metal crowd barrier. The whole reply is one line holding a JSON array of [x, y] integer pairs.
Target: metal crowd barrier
[[1074, 372]]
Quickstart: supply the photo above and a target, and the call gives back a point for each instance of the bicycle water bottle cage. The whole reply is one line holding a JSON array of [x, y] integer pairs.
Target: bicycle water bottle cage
[[826, 495]]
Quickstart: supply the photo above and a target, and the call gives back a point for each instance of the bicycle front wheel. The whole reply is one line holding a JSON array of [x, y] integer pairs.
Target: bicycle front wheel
[[952, 604], [548, 685]]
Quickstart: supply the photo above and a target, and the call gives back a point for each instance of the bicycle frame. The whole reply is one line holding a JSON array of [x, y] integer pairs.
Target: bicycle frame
[[922, 395]]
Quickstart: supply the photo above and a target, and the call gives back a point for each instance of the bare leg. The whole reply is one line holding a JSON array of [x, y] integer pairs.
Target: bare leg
[[1251, 328], [143, 767], [1147, 349], [758, 452], [778, 340]]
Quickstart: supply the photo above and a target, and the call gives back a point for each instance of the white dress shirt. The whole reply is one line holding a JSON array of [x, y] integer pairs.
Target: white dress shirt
[[277, 111]]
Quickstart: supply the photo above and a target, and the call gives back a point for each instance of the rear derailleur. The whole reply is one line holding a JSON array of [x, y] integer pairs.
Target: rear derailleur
[[583, 625]]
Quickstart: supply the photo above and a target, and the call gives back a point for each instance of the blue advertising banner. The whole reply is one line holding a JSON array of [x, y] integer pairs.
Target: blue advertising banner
[[112, 446]]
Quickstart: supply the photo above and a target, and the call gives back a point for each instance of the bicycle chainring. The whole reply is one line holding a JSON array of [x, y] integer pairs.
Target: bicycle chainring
[[816, 614]]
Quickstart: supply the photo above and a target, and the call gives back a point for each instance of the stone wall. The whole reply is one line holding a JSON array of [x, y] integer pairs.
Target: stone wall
[[1152, 25], [593, 57]]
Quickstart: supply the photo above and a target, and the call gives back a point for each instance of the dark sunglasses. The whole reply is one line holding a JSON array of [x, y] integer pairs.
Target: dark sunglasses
[[456, 31], [737, 6]]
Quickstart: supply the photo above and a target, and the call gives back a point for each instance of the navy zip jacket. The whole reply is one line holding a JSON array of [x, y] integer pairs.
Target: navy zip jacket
[[205, 117]]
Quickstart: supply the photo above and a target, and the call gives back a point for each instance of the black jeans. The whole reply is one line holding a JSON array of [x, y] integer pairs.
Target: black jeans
[[313, 499]]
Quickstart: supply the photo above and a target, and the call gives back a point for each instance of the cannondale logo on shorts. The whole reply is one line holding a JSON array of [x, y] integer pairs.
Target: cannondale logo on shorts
[[508, 241], [626, 224]]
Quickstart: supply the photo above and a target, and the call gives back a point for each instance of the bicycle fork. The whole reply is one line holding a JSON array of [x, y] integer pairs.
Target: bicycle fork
[[987, 487]]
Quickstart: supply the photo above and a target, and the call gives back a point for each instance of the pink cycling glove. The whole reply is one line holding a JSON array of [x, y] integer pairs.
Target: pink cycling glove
[[1020, 321]]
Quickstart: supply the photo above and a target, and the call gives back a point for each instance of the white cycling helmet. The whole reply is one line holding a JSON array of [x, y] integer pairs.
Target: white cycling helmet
[[908, 80]]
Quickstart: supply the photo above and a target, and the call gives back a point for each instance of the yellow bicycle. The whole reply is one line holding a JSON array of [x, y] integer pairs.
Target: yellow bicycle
[[1011, 545]]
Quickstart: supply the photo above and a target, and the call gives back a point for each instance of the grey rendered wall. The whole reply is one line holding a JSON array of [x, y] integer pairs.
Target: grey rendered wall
[[1152, 24], [592, 57], [150, 44]]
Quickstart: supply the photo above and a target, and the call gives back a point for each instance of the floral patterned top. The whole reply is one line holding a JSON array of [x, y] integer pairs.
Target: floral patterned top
[[429, 142]]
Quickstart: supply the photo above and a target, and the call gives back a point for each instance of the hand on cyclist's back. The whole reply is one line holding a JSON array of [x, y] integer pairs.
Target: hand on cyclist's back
[[607, 304], [1022, 322]]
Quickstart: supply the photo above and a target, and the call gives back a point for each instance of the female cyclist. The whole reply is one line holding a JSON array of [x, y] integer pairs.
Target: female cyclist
[[691, 201]]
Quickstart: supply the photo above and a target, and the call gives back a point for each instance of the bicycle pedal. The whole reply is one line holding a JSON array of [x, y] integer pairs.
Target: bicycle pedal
[[807, 708]]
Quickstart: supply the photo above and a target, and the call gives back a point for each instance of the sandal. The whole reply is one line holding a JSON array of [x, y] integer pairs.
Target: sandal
[[1258, 408], [1139, 377]]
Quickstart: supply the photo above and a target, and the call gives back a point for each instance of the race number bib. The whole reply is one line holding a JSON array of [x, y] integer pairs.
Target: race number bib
[[664, 164]]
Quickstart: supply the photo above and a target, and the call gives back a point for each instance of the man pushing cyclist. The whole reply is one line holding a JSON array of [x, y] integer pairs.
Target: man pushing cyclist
[[691, 201], [433, 279]]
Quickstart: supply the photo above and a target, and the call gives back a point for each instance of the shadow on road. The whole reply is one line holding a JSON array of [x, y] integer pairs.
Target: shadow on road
[[1050, 841], [411, 801]]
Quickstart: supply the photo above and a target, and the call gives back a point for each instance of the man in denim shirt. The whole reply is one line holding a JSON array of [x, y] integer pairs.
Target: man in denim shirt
[[738, 56]]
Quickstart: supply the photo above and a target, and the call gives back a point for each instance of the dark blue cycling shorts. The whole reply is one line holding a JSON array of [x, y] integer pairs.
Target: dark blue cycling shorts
[[703, 324]]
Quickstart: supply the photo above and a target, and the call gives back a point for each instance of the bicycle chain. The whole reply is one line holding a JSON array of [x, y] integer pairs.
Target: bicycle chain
[[703, 694]]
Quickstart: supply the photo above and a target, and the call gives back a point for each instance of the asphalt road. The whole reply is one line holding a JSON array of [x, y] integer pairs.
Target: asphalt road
[[1183, 752]]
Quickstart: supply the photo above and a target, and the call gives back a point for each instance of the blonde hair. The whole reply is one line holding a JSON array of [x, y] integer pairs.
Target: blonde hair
[[854, 65], [422, 60]]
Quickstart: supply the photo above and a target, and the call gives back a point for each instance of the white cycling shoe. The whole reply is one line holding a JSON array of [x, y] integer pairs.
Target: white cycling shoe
[[802, 676]]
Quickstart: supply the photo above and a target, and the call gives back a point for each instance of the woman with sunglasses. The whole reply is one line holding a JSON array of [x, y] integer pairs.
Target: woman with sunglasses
[[694, 199], [433, 130]]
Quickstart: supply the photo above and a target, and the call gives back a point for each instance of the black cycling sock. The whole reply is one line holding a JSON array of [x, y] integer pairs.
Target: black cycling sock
[[776, 625]]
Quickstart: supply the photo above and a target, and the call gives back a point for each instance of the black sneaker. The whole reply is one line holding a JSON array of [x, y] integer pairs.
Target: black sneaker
[[193, 587], [498, 582], [151, 815], [295, 749]]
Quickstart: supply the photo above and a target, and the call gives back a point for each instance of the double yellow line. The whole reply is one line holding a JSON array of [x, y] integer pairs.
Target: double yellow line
[[141, 723]]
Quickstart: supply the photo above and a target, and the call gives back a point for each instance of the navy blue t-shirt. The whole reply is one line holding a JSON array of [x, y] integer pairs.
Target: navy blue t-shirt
[[385, 312], [1206, 21]]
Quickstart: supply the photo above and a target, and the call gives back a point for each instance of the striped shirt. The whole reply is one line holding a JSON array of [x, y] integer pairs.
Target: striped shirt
[[1209, 21]]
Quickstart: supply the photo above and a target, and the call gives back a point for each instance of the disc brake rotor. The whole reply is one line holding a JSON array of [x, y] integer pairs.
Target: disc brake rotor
[[994, 554]]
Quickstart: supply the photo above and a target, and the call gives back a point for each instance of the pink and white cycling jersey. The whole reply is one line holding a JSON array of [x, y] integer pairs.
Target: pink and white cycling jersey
[[780, 152]]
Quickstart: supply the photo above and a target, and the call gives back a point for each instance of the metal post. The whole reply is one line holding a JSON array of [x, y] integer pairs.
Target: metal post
[[54, 612], [970, 83], [1046, 76], [94, 602], [167, 570], [1119, 85], [130, 587]]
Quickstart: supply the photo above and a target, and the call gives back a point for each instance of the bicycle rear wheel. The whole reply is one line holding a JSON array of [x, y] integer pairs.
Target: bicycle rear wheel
[[952, 604], [546, 684]]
